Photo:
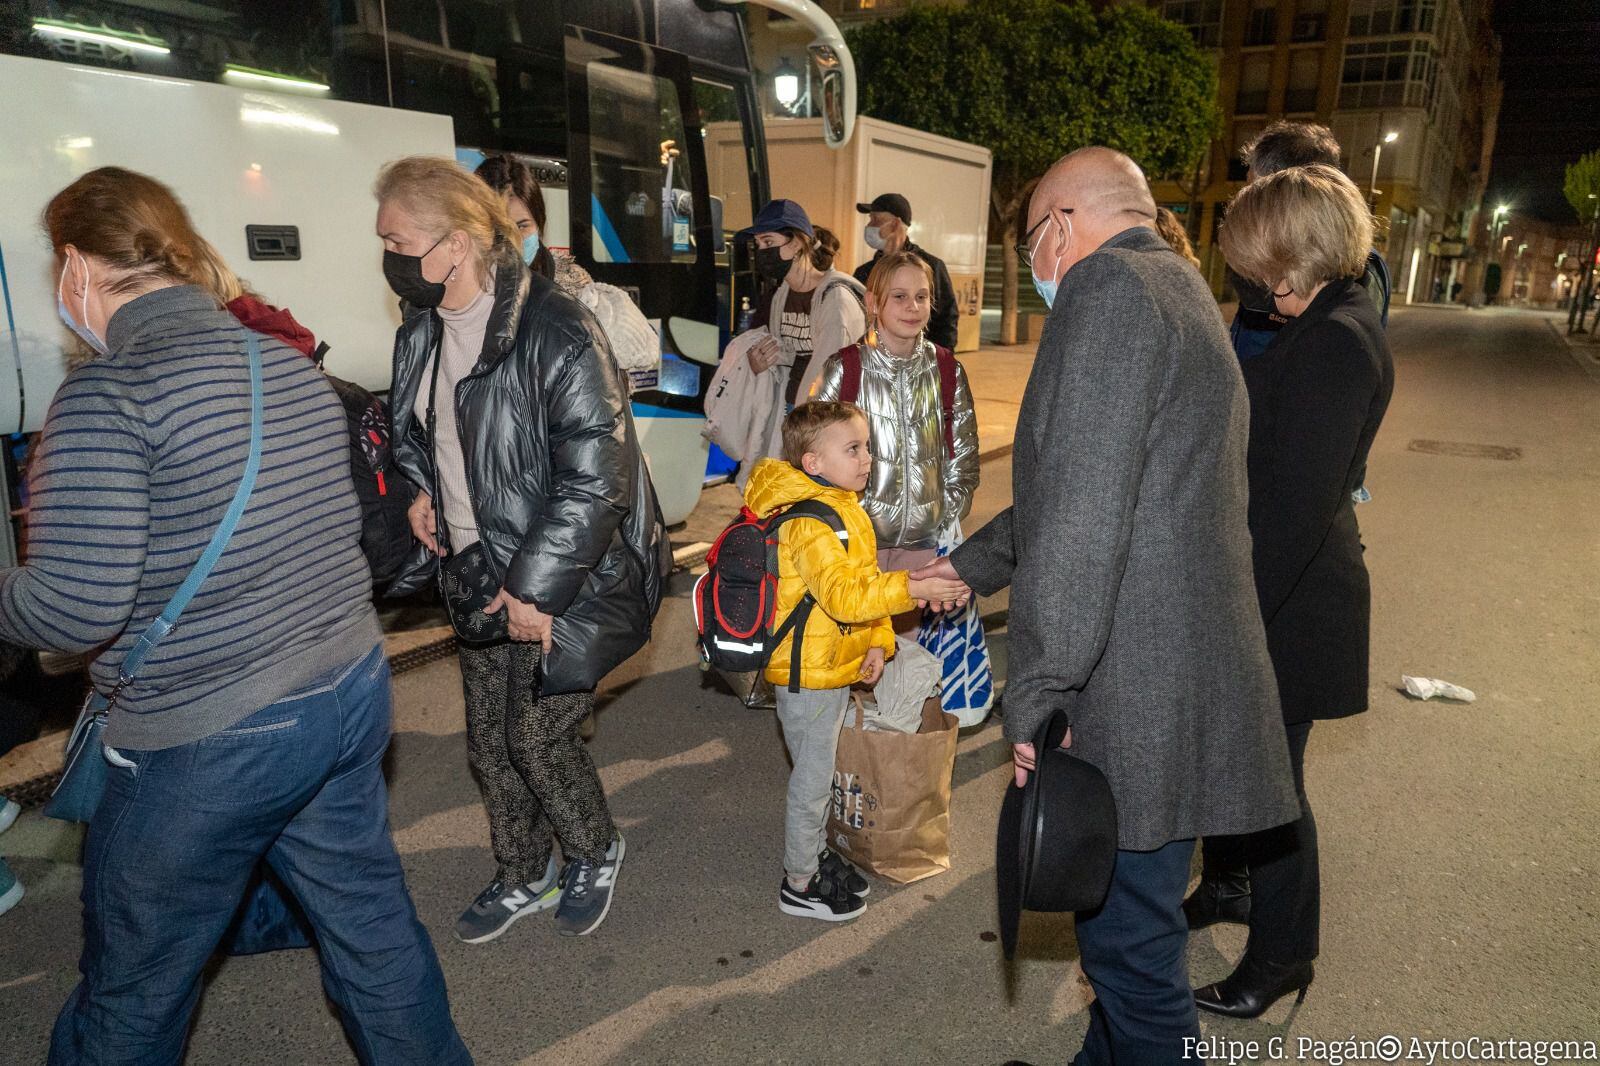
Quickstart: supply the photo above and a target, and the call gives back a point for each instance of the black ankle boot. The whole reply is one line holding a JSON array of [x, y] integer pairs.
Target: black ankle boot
[[1222, 896], [1253, 987]]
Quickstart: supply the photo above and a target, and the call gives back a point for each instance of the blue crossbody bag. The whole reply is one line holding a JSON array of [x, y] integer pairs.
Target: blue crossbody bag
[[83, 778]]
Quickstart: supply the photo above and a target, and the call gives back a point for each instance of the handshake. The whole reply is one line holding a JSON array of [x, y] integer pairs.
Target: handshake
[[938, 587]]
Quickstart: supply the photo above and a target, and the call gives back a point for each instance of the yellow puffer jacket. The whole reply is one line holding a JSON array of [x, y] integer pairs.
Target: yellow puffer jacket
[[854, 598]]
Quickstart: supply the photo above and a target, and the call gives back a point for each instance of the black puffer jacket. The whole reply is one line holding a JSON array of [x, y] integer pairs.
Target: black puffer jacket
[[565, 509]]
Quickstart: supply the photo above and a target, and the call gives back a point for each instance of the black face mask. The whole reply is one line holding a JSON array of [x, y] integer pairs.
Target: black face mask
[[404, 274], [771, 266]]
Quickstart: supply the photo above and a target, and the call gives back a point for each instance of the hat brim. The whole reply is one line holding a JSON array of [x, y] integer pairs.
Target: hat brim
[[1008, 867], [865, 209]]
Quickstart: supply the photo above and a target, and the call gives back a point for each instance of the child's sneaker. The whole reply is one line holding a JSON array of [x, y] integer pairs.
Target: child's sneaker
[[823, 899], [8, 813], [838, 869], [586, 890], [500, 904], [10, 888]]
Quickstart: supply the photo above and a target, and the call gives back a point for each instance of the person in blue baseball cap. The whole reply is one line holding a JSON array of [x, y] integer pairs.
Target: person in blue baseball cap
[[814, 310]]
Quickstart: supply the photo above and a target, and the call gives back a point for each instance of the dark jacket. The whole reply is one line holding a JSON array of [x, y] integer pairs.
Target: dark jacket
[[946, 318], [1257, 321], [1133, 607], [1317, 395], [565, 508]]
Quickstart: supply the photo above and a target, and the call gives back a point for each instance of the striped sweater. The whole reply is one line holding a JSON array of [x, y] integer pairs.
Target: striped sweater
[[141, 454]]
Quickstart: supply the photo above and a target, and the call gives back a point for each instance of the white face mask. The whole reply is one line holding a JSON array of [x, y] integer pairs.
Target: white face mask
[[874, 238], [78, 325]]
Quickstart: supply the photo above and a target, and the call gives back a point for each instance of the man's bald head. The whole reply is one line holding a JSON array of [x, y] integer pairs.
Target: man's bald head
[[1095, 193], [1099, 184]]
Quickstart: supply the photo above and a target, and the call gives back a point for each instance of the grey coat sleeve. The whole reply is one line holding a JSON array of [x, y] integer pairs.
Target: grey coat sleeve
[[1107, 356], [987, 559]]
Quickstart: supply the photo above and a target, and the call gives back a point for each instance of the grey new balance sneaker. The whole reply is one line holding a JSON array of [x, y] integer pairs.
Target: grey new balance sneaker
[[500, 904], [586, 891]]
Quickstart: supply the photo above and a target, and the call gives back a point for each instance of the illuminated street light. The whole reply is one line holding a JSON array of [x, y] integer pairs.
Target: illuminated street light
[[786, 85], [1377, 153]]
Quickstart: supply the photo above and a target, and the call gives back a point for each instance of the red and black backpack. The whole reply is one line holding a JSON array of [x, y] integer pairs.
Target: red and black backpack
[[850, 387], [736, 599]]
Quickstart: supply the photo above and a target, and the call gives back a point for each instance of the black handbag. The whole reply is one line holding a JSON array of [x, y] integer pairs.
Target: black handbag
[[467, 581]]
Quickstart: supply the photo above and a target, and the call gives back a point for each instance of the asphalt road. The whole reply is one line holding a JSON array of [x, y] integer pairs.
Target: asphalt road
[[1459, 851]]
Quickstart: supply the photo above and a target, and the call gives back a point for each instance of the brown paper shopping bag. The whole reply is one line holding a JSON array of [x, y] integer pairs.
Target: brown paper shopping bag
[[891, 796]]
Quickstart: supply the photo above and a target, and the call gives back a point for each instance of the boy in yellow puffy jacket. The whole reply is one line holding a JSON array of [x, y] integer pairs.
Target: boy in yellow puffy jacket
[[847, 636]]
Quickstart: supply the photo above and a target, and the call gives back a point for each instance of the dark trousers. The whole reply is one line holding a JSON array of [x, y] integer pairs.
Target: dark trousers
[[1285, 878], [1133, 951], [538, 779], [173, 847]]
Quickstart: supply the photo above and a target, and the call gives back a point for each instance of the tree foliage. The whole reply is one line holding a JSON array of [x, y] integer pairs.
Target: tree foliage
[[1032, 80], [1583, 186]]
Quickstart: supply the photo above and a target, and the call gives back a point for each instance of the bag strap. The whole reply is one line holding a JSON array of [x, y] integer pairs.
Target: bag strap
[[432, 421], [850, 383], [946, 361], [168, 618]]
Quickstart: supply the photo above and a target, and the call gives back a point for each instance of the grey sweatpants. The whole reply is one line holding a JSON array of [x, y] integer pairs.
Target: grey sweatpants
[[811, 719]]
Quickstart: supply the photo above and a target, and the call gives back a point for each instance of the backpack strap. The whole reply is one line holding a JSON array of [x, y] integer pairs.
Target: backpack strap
[[947, 395], [850, 383], [796, 622]]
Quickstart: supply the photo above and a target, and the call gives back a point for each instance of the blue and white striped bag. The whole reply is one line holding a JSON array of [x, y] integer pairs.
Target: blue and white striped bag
[[967, 690]]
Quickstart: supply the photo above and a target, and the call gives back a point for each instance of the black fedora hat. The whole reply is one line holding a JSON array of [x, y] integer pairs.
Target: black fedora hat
[[1057, 839]]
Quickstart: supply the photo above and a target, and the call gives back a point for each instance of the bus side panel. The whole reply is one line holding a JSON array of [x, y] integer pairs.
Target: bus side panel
[[236, 158]]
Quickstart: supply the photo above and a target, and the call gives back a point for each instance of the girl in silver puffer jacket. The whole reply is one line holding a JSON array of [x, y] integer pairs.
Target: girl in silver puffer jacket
[[925, 457]]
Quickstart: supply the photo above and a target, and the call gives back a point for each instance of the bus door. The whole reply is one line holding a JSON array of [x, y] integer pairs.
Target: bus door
[[641, 219]]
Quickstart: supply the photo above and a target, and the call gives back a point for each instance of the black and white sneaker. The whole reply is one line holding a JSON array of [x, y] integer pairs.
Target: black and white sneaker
[[501, 904], [586, 890], [823, 900], [839, 870]]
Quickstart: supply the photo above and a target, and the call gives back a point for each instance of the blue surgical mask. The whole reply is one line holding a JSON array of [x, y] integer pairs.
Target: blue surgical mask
[[530, 248], [79, 326], [1047, 289]]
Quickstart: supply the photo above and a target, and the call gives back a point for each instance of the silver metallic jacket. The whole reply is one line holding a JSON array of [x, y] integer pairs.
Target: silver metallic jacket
[[916, 486]]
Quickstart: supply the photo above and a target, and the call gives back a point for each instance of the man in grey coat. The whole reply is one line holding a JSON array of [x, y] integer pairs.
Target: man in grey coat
[[1133, 608]]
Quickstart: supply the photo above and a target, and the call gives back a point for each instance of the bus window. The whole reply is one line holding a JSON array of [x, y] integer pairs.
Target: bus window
[[730, 180], [642, 203]]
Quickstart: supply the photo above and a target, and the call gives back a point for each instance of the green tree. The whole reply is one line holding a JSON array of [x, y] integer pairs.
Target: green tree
[[1583, 193], [1583, 186], [1034, 79]]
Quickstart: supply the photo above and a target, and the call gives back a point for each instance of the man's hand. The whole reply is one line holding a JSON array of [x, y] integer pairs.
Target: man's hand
[[524, 621], [423, 523], [939, 587], [763, 354], [1024, 757], [872, 666]]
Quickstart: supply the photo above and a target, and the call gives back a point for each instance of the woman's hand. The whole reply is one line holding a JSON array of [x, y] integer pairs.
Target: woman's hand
[[524, 621], [423, 522], [872, 666], [763, 355]]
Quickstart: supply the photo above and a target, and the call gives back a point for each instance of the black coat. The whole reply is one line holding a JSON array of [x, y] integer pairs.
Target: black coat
[[944, 322], [1317, 396], [565, 508]]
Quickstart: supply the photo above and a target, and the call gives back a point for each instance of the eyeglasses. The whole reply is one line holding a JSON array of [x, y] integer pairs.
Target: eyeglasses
[[1025, 249]]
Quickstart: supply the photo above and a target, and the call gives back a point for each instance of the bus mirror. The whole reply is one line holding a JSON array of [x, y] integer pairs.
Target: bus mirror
[[719, 240], [835, 72]]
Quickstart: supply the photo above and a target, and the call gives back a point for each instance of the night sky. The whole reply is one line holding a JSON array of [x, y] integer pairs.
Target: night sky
[[1551, 112]]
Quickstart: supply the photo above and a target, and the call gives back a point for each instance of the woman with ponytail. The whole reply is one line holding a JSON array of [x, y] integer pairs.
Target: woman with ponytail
[[255, 731]]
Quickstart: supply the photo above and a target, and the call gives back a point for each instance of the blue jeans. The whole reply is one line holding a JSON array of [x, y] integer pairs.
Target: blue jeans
[[172, 848], [1133, 951]]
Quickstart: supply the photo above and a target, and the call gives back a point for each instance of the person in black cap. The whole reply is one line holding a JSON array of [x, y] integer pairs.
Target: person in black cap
[[888, 231]]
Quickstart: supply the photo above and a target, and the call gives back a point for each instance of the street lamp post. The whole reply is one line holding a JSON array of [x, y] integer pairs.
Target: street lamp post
[[1377, 153]]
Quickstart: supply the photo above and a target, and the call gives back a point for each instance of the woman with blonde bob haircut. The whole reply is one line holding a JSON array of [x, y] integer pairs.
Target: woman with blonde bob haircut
[[512, 419], [1317, 396], [256, 731]]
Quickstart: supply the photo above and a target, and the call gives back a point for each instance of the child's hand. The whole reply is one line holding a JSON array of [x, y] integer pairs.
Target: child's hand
[[872, 666], [946, 592]]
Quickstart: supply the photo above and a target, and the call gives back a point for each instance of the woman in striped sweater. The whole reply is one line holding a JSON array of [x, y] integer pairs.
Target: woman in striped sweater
[[256, 729]]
